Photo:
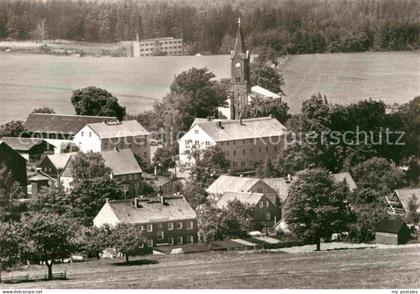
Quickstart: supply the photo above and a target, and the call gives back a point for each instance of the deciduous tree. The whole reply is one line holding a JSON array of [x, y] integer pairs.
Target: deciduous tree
[[130, 240]]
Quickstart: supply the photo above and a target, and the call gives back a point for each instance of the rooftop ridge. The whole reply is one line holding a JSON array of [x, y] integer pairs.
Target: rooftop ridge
[[225, 121], [71, 115]]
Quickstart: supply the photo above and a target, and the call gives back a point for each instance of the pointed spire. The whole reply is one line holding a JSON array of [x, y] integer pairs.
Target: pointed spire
[[239, 42]]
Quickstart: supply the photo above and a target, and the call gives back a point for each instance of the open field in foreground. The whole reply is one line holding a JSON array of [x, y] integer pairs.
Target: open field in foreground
[[362, 268]]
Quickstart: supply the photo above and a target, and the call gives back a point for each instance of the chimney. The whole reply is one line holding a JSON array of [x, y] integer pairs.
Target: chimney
[[240, 120], [111, 175], [106, 200], [288, 178], [219, 124], [162, 200], [116, 149]]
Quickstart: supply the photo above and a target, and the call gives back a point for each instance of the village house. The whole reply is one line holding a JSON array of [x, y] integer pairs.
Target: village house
[[59, 129], [246, 143], [398, 201], [124, 169], [265, 211], [15, 162], [165, 221], [105, 136], [250, 186], [38, 182], [30, 148]]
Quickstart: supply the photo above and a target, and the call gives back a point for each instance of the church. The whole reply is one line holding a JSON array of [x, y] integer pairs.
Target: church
[[241, 91]]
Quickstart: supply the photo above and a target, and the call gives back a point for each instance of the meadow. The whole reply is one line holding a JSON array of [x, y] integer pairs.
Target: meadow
[[28, 81], [361, 268]]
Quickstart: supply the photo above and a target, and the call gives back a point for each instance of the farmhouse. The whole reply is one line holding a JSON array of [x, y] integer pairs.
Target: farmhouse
[[392, 232], [30, 148], [124, 166], [398, 201], [105, 136], [245, 142], [15, 162], [166, 221], [265, 210], [40, 181]]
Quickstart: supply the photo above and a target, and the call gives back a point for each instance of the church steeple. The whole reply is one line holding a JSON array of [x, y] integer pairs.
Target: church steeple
[[240, 75], [239, 41]]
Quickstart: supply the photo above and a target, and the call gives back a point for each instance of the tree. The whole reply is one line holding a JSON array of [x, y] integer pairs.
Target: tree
[[207, 164], [413, 215], [44, 109], [51, 200], [92, 240], [260, 107], [89, 195], [267, 169], [12, 129], [129, 239], [164, 158], [267, 77], [45, 237], [379, 175], [88, 166], [97, 102], [194, 193], [193, 93], [317, 206], [9, 246]]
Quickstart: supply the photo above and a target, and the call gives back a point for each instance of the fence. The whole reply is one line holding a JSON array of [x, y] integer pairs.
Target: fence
[[27, 278]]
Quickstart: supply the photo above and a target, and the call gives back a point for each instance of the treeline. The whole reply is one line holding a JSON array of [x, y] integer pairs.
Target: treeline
[[282, 27]]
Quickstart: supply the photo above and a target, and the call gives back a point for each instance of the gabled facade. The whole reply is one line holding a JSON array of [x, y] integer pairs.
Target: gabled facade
[[30, 148], [398, 201], [165, 221], [14, 162], [246, 142], [265, 211], [53, 165], [108, 136]]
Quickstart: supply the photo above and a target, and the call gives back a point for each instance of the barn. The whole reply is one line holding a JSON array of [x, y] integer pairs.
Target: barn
[[392, 232]]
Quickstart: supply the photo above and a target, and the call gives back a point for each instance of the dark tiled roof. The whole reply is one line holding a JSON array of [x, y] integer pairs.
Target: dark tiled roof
[[23, 144], [392, 226], [176, 208], [61, 123]]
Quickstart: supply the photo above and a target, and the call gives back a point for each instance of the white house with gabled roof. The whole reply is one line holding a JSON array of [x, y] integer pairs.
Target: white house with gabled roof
[[245, 142], [106, 136]]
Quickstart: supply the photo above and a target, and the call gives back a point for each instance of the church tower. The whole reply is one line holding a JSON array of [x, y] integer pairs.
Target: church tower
[[240, 75]]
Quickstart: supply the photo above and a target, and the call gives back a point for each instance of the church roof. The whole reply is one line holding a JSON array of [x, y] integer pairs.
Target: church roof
[[239, 41]]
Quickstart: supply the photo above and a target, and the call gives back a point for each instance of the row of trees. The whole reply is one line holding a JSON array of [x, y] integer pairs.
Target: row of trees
[[293, 27]]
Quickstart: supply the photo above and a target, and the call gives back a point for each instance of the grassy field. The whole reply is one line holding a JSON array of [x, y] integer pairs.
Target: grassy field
[[362, 268], [28, 81]]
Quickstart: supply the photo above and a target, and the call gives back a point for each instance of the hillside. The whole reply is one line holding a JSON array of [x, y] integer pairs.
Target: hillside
[[366, 268]]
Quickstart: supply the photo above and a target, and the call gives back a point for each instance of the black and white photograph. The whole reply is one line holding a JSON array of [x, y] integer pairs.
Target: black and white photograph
[[209, 144]]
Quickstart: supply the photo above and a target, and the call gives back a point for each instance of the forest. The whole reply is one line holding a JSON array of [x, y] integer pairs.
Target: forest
[[275, 27]]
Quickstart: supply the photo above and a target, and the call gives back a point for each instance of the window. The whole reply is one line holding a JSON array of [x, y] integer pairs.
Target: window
[[136, 176], [275, 147], [207, 143], [150, 228], [243, 151], [259, 190], [227, 143], [190, 225], [234, 142], [82, 134], [172, 241], [262, 204], [179, 225], [266, 148], [238, 78], [160, 226], [141, 228], [190, 239], [90, 134], [130, 177], [243, 141], [150, 243], [160, 235], [179, 240], [195, 131], [259, 149], [267, 215], [196, 143], [234, 152], [170, 226], [242, 163]]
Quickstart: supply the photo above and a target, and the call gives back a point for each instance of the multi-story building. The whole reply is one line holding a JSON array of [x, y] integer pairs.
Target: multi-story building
[[161, 46], [106, 136], [245, 142], [165, 221]]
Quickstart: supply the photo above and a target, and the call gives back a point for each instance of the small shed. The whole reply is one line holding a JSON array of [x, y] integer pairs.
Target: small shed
[[392, 232]]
